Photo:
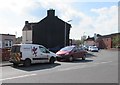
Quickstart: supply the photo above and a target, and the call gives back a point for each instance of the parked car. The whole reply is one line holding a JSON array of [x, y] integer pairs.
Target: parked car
[[89, 48], [93, 49], [70, 53], [30, 53], [86, 47]]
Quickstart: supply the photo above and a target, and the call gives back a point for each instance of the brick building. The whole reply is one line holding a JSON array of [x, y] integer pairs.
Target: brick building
[[89, 41], [102, 41], [107, 41], [6, 40]]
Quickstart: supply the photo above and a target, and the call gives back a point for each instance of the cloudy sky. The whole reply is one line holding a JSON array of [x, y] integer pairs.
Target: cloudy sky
[[95, 16]]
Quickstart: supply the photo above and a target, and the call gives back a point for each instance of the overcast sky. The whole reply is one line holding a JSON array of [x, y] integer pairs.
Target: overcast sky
[[95, 16]]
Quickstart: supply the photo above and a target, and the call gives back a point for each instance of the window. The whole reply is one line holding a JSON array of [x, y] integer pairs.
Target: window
[[75, 49], [68, 48], [15, 49], [8, 43], [43, 50]]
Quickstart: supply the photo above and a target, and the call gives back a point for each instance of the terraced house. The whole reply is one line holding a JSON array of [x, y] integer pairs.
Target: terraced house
[[108, 41], [51, 31], [104, 41], [6, 42]]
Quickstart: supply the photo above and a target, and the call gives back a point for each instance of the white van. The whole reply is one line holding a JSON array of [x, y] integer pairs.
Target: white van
[[30, 53]]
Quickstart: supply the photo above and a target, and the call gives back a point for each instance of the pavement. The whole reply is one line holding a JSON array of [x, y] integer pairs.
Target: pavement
[[5, 63], [114, 49]]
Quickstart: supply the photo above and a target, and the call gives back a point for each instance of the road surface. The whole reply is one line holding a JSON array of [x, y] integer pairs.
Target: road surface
[[99, 67]]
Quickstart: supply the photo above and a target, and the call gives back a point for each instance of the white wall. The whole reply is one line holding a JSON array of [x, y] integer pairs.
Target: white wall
[[0, 44], [27, 36], [0, 41]]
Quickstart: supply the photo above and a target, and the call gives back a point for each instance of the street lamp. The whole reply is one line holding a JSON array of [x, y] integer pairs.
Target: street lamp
[[65, 32]]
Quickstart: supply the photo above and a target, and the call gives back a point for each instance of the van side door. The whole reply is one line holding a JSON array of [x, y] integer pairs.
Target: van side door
[[35, 54], [44, 54]]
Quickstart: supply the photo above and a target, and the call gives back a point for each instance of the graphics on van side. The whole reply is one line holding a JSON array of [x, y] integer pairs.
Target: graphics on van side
[[34, 50]]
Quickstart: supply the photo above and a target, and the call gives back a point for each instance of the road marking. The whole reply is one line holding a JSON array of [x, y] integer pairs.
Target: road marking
[[103, 62], [83, 66], [64, 69], [18, 77], [71, 68], [106, 62]]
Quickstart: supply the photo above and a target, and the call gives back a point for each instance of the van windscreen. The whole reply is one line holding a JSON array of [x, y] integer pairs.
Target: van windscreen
[[15, 49]]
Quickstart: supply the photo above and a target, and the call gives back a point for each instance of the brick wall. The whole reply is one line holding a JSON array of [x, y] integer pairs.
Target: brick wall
[[108, 42], [5, 54]]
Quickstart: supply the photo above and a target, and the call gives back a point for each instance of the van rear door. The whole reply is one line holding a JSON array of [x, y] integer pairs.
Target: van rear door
[[15, 49], [16, 54]]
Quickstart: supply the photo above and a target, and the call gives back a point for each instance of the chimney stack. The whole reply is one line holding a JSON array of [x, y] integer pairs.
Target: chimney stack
[[51, 12], [26, 22]]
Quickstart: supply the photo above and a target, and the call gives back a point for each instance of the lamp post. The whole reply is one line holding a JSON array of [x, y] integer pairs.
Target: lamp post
[[65, 32]]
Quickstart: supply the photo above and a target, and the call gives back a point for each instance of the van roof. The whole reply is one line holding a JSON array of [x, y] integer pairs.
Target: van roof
[[27, 44]]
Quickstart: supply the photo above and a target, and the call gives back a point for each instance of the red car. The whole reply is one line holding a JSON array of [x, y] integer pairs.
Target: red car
[[70, 53]]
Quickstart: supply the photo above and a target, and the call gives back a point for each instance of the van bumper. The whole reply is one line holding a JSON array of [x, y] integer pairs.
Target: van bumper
[[17, 62]]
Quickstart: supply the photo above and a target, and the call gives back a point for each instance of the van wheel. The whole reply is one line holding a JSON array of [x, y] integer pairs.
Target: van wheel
[[52, 60], [27, 62], [15, 64], [83, 58]]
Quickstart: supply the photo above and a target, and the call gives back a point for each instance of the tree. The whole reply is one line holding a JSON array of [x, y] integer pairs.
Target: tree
[[18, 40], [116, 41], [76, 42]]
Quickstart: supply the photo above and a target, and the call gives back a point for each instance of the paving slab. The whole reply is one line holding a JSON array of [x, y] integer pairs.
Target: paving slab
[[5, 63]]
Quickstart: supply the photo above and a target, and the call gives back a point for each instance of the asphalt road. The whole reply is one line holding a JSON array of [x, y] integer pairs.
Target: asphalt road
[[101, 67]]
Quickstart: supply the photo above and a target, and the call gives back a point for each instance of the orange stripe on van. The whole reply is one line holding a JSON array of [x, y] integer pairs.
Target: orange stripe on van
[[18, 56]]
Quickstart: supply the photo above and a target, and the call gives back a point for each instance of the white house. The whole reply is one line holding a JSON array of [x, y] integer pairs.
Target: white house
[[27, 32]]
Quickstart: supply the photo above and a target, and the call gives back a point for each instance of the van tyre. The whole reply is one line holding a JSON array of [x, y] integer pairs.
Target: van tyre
[[15, 64], [52, 60], [27, 62]]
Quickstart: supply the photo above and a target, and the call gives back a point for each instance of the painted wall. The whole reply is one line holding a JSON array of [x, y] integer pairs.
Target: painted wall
[[0, 41], [27, 36]]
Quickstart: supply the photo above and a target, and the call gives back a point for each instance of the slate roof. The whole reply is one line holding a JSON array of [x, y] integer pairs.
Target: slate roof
[[28, 26]]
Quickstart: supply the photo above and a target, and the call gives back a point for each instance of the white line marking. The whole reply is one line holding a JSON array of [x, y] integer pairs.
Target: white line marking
[[103, 62], [65, 69], [83, 66], [106, 62], [18, 77], [71, 68]]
